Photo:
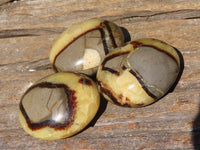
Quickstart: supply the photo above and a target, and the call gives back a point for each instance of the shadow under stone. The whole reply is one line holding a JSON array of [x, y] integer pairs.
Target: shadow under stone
[[196, 131], [102, 108]]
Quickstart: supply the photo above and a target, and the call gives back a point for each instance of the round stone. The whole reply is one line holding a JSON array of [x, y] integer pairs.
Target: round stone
[[59, 106], [139, 73], [83, 46]]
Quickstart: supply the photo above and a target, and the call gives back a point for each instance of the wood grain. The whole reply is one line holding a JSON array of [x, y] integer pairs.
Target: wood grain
[[28, 29]]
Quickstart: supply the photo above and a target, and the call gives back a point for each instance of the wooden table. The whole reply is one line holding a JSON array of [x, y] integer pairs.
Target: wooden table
[[28, 29]]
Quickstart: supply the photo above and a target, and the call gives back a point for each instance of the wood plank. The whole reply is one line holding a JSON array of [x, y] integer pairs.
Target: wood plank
[[27, 32]]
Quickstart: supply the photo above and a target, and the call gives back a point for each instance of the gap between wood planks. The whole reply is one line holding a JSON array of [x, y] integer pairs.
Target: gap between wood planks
[[139, 16]]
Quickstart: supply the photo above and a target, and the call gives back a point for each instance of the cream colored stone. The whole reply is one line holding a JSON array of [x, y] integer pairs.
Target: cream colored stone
[[125, 88], [91, 59], [87, 104]]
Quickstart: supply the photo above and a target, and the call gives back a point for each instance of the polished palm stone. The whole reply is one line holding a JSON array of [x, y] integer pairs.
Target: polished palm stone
[[139, 73], [83, 46], [59, 106]]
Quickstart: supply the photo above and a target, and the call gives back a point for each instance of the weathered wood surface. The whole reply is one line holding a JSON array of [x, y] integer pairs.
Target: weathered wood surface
[[28, 29]]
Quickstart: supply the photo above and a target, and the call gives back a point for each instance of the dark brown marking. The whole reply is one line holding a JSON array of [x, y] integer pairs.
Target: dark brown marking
[[111, 71], [96, 28], [109, 58], [124, 68], [120, 96], [51, 123], [114, 55], [180, 70], [127, 99], [128, 103], [103, 38], [85, 81], [114, 99], [143, 85], [107, 92], [110, 34], [137, 44]]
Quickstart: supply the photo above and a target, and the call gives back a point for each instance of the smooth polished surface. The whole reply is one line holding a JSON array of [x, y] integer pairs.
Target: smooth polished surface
[[83, 46], [28, 29], [139, 73], [59, 106]]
